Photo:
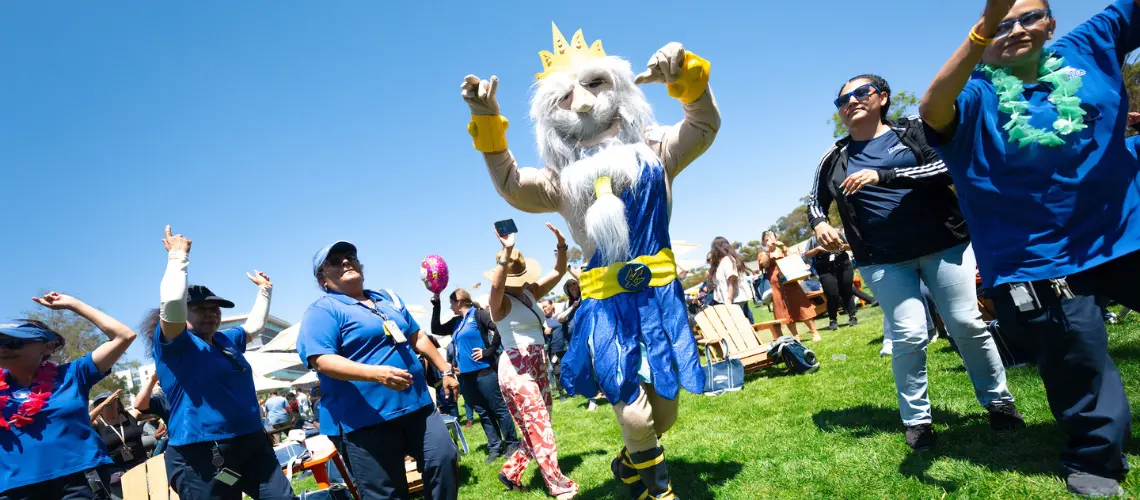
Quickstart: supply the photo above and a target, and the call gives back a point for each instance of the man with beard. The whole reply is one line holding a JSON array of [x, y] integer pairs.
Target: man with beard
[[609, 172]]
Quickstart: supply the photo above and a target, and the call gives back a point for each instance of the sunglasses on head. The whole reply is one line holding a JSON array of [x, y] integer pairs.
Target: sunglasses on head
[[1026, 20], [860, 92]]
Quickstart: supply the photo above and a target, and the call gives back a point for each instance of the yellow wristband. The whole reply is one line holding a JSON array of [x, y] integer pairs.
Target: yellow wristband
[[979, 40], [693, 81], [489, 133], [603, 186]]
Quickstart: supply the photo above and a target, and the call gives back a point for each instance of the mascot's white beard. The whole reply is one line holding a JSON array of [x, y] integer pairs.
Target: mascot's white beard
[[560, 133]]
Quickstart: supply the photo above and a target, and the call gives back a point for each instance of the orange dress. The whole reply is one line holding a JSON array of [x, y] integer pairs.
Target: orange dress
[[788, 300]]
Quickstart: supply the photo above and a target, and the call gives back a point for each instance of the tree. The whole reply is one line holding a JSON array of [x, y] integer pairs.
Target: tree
[[80, 337], [1131, 72], [574, 255], [902, 104], [695, 277], [749, 251], [796, 226]]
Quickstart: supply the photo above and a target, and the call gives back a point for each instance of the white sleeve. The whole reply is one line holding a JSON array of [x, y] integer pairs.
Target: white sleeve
[[172, 290], [259, 313]]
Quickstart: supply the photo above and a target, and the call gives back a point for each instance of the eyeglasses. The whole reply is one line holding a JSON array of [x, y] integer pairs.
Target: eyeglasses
[[12, 343], [337, 260], [859, 93], [1026, 20]]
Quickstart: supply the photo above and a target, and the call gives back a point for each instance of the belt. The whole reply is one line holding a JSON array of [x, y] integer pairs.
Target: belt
[[633, 276]]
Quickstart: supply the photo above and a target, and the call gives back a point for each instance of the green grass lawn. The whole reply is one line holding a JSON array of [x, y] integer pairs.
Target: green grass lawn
[[835, 434]]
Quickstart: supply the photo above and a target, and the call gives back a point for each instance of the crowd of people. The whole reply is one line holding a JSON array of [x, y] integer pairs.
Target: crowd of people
[[1017, 170]]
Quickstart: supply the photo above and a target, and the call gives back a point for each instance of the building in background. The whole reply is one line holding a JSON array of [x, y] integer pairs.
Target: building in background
[[273, 326]]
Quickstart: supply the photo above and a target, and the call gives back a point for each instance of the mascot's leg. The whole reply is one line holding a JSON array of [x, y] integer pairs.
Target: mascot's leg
[[641, 463]]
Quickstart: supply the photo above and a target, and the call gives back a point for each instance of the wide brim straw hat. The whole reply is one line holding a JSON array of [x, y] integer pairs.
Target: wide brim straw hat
[[521, 271]]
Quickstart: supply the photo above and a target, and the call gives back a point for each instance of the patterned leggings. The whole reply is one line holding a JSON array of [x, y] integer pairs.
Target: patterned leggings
[[526, 390]]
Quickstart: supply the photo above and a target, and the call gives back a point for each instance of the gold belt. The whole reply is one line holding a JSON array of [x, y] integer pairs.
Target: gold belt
[[633, 276]]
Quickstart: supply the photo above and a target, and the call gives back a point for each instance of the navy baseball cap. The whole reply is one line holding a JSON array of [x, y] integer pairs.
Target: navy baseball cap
[[29, 331], [198, 294], [321, 256], [102, 396]]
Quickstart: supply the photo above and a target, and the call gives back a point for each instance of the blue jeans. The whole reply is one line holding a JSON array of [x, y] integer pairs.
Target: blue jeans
[[950, 276], [191, 472], [480, 391]]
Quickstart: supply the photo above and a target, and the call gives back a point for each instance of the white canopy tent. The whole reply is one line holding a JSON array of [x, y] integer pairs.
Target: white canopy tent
[[264, 363], [306, 379], [261, 383], [286, 341]]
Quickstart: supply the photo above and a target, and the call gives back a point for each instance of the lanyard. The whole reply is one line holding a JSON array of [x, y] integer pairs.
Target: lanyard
[[121, 433]]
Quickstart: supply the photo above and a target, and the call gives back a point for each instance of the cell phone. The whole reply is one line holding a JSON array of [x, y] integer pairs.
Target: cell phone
[[505, 227]]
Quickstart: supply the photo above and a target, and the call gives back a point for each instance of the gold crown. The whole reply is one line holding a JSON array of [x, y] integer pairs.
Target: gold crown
[[564, 52]]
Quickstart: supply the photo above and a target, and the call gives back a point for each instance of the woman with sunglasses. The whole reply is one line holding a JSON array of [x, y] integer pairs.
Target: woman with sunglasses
[[47, 443], [903, 224], [516, 284], [1036, 135], [218, 447], [376, 404]]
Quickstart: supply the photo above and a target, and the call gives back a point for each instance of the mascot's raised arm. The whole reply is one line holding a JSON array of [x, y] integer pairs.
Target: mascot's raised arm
[[609, 172]]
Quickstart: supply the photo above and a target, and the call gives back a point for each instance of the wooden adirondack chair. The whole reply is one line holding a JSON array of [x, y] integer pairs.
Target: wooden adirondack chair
[[147, 481], [725, 327]]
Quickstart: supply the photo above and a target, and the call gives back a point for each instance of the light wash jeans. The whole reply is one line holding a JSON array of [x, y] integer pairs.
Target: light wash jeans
[[950, 276]]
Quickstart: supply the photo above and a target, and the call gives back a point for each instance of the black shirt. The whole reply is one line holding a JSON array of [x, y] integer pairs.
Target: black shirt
[[132, 434]]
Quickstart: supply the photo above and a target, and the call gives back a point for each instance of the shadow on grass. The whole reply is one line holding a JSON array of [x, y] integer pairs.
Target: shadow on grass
[[689, 479], [566, 463], [1030, 451]]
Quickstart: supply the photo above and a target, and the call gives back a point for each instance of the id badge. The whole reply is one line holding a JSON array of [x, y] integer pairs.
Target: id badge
[[228, 477], [831, 257], [1023, 297], [393, 330], [127, 455]]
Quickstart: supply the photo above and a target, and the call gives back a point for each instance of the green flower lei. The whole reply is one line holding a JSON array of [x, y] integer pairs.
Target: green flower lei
[[1011, 101]]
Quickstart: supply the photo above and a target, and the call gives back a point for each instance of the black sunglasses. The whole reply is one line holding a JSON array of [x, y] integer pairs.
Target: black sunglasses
[[1026, 20], [859, 93], [12, 343], [332, 260]]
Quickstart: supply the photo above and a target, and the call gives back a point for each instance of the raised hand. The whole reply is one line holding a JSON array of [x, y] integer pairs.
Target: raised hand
[[259, 278], [557, 234], [57, 301], [508, 241], [480, 95], [665, 65], [996, 10], [176, 241]]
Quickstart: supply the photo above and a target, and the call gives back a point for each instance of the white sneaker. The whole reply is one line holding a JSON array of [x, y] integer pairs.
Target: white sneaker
[[593, 406]]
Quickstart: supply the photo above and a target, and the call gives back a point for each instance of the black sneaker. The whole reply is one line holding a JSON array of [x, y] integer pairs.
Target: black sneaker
[[510, 450], [491, 457], [920, 437], [833, 326], [511, 486], [1090, 486], [1004, 416], [852, 321]]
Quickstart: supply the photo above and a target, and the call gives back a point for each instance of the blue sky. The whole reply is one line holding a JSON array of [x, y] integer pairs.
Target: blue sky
[[266, 130]]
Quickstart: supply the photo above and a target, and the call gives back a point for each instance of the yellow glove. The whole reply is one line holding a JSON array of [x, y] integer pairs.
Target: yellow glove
[[489, 133]]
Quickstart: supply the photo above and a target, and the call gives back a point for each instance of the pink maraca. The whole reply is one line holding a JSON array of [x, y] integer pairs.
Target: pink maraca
[[433, 272]]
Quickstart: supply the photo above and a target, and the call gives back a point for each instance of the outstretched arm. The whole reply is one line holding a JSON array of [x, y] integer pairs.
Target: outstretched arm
[[172, 291], [119, 336], [687, 77], [548, 282]]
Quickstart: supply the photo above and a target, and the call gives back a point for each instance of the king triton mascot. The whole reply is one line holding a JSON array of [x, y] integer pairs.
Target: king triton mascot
[[609, 172]]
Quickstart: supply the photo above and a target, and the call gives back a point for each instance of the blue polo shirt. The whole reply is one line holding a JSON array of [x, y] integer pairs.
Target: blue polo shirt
[[338, 324], [60, 441], [1040, 212], [210, 387], [467, 338]]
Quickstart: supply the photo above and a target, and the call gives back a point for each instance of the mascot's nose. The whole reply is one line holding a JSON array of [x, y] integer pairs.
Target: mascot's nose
[[583, 100]]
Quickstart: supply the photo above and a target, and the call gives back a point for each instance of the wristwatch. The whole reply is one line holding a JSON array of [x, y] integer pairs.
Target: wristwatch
[[449, 373]]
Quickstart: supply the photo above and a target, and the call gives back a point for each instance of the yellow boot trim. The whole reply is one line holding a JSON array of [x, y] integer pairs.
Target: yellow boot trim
[[668, 495], [489, 133], [650, 463], [693, 81], [644, 495], [605, 282]]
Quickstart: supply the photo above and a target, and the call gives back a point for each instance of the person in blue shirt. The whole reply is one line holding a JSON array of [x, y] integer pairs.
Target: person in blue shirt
[[47, 443], [476, 343], [375, 404], [218, 447], [904, 226], [1034, 138], [276, 409]]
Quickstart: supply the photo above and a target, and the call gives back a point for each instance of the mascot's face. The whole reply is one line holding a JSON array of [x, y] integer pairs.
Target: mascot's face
[[577, 109], [590, 120]]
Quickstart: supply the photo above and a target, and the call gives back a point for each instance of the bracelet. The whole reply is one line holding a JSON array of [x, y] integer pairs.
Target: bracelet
[[979, 40], [449, 373], [563, 247], [488, 133]]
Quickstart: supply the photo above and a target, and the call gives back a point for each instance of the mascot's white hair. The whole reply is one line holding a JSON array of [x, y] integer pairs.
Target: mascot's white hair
[[561, 132]]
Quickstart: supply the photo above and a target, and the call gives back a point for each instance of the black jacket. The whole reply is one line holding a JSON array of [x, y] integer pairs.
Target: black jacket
[[487, 328], [929, 178]]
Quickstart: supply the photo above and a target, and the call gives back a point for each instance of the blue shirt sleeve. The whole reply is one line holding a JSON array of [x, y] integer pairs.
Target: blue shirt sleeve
[[179, 344], [969, 109], [237, 336], [85, 372], [1112, 29], [319, 334]]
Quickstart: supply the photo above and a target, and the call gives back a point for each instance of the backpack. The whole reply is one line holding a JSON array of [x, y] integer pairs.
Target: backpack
[[796, 357]]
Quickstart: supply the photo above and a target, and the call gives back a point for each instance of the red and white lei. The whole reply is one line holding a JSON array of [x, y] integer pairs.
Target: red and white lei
[[40, 392]]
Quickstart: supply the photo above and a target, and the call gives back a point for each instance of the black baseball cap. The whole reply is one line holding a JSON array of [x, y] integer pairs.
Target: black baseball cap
[[198, 294]]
